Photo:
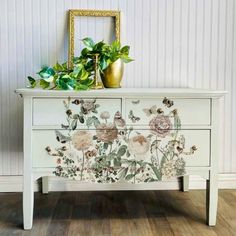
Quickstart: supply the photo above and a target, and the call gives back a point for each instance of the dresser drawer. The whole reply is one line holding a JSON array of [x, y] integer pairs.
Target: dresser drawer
[[192, 112], [190, 138], [53, 112]]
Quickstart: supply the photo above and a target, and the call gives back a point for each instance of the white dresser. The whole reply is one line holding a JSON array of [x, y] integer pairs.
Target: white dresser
[[121, 138]]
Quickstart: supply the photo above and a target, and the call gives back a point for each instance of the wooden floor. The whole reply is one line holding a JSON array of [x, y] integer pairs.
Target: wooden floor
[[136, 213]]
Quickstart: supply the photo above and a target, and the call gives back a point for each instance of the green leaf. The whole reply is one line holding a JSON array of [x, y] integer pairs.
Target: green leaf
[[47, 74], [122, 150], [89, 43], [74, 124], [128, 153], [44, 84], [85, 52], [123, 173], [89, 121], [98, 47], [125, 58], [81, 87], [96, 121], [163, 160], [64, 65], [81, 119], [156, 171], [105, 146], [58, 67], [103, 63], [32, 81], [115, 45], [87, 82], [83, 74], [129, 176], [125, 50], [89, 66], [177, 122], [65, 82], [117, 163]]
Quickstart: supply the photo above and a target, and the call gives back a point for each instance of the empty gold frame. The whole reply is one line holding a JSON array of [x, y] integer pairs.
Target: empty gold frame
[[73, 28]]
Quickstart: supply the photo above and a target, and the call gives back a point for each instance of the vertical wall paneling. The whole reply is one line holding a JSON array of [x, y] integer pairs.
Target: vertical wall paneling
[[175, 43], [184, 43], [169, 39], [161, 42], [233, 105], [228, 77], [153, 42], [5, 91]]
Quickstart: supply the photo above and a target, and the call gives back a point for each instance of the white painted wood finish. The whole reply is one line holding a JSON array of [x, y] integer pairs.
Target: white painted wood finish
[[204, 162], [189, 109], [43, 115], [185, 183], [175, 43], [28, 188], [45, 138]]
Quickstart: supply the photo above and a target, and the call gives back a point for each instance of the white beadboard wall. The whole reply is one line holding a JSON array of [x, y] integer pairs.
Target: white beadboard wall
[[175, 43]]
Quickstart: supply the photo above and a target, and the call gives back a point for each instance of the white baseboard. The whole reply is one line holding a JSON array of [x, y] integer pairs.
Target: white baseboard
[[14, 184]]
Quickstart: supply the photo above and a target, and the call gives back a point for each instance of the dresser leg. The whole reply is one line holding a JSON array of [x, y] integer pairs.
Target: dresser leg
[[45, 185], [211, 199], [28, 201], [185, 183], [28, 183]]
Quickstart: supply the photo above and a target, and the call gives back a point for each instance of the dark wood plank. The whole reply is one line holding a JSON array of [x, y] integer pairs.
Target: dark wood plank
[[139, 213]]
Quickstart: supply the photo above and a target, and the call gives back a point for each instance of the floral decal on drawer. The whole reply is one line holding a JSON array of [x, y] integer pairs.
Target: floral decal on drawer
[[109, 152]]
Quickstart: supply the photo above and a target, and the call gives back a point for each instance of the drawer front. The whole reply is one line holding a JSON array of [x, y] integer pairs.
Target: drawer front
[[192, 112], [121, 147], [54, 112]]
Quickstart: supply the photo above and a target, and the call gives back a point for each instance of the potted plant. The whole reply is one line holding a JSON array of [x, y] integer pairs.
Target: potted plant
[[111, 60], [95, 57]]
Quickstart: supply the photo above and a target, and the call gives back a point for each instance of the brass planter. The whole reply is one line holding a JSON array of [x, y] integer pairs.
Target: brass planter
[[112, 75]]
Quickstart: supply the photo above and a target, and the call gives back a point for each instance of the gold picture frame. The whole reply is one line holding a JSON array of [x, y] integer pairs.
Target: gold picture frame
[[90, 13]]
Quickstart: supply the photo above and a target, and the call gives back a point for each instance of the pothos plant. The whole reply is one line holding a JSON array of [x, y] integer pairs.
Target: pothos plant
[[60, 76], [108, 53], [80, 76]]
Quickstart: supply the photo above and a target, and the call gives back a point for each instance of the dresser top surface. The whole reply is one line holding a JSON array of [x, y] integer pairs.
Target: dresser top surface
[[127, 92]]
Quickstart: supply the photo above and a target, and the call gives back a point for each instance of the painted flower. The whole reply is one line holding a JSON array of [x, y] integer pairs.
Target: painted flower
[[168, 169], [88, 106], [160, 125], [118, 120], [106, 132], [105, 115], [82, 140], [92, 153], [180, 166], [138, 146]]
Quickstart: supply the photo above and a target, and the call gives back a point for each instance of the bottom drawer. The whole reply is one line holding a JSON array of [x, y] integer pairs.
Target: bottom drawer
[[117, 149]]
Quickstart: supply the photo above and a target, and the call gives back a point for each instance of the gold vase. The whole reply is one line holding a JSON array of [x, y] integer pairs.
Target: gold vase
[[112, 75], [97, 81]]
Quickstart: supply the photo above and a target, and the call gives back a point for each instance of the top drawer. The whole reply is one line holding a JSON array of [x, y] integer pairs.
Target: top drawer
[[190, 111], [53, 111]]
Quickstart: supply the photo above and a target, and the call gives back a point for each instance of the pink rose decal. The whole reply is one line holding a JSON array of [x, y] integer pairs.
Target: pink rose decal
[[160, 125]]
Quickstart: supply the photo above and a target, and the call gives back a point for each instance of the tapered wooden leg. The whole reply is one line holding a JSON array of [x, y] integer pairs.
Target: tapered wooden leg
[[211, 199], [28, 200], [28, 184], [45, 185], [185, 183]]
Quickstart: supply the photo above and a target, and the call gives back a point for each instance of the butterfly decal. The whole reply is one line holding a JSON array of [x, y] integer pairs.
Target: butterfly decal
[[118, 120], [61, 137], [151, 111], [132, 117], [136, 102], [167, 102]]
